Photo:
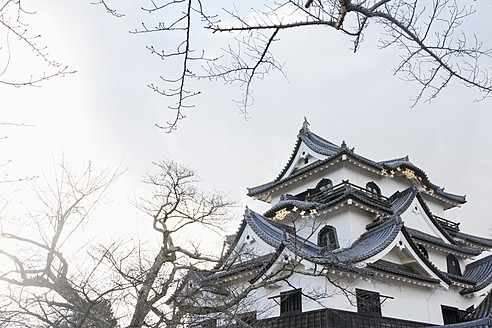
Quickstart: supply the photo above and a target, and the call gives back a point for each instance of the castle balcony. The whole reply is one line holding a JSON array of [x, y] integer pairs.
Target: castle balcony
[[329, 318], [447, 224], [345, 187]]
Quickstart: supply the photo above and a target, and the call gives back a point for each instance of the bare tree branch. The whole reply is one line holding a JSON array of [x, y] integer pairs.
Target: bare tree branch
[[434, 47], [42, 285], [13, 28]]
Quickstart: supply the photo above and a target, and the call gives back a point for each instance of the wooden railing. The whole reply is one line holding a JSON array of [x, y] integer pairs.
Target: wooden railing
[[445, 223], [330, 318], [337, 190]]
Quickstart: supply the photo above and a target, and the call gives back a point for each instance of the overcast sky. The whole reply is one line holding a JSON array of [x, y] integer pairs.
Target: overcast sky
[[106, 113]]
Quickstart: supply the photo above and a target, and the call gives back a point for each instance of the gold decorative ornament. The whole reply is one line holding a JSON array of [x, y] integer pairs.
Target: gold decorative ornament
[[409, 174], [280, 215]]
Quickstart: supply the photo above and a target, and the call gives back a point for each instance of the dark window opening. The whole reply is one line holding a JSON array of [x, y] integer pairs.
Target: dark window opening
[[423, 251], [453, 265], [324, 185], [290, 302], [327, 237], [452, 315], [368, 302], [373, 189]]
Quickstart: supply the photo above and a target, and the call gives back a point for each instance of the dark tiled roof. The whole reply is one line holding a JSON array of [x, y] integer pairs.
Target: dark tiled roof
[[264, 187], [332, 151], [368, 244], [269, 233], [289, 203], [318, 144], [313, 141], [479, 241], [216, 289], [437, 241], [479, 271], [405, 163], [484, 309], [395, 162], [396, 204], [191, 278], [344, 192], [460, 278], [394, 270], [431, 217], [377, 238], [239, 268], [402, 200], [240, 230]]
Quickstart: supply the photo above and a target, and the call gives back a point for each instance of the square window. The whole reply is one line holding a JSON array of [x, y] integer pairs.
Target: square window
[[368, 302], [290, 302]]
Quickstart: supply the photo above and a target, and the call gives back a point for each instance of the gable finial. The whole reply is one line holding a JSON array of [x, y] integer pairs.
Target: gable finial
[[305, 125]]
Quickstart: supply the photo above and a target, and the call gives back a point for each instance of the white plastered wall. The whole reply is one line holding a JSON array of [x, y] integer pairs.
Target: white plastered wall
[[248, 246], [303, 153], [406, 301], [349, 222], [416, 218]]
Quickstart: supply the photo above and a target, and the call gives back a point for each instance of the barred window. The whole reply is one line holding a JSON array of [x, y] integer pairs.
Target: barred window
[[373, 188], [368, 302], [453, 265], [324, 185], [327, 237], [290, 302]]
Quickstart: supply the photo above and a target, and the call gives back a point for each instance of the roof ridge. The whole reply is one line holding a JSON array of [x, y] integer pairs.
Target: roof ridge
[[313, 141], [405, 158]]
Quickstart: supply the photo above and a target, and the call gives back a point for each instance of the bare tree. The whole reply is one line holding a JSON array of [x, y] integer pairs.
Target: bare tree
[[130, 283], [434, 43], [16, 34], [178, 209], [42, 287], [124, 283]]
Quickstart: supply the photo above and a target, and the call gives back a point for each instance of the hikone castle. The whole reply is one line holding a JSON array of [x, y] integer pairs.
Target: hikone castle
[[347, 242]]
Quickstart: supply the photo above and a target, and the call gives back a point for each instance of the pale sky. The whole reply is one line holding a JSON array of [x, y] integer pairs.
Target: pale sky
[[106, 114]]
